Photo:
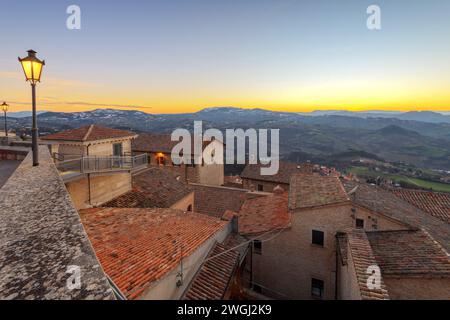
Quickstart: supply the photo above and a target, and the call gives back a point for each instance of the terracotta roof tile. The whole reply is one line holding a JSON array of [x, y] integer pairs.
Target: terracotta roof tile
[[214, 201], [152, 188], [409, 252], [213, 278], [363, 257], [89, 133], [382, 201], [307, 190], [435, 203], [285, 172], [263, 214], [133, 256]]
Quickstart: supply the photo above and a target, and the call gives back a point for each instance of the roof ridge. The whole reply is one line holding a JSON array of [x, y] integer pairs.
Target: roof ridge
[[88, 133]]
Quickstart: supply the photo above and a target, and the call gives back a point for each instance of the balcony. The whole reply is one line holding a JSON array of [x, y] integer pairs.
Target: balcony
[[73, 168]]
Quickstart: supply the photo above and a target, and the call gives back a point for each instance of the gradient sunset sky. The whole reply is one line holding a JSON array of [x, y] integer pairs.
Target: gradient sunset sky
[[180, 56]]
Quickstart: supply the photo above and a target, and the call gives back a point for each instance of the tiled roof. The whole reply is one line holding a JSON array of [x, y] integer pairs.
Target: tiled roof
[[152, 188], [131, 199], [410, 252], [382, 201], [42, 238], [89, 133], [214, 201], [139, 246], [149, 142], [264, 214], [307, 190], [214, 276], [285, 172], [435, 203], [363, 257]]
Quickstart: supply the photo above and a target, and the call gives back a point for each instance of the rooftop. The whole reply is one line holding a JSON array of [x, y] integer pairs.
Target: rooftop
[[382, 201], [264, 214], [92, 132], [214, 276], [409, 252], [435, 203], [152, 188], [41, 236], [133, 256], [285, 172], [307, 190], [214, 201], [362, 257], [150, 142]]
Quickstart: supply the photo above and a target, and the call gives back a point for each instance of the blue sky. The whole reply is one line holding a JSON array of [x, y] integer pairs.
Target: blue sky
[[176, 56]]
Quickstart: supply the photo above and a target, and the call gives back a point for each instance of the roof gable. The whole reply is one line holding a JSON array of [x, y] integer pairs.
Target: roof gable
[[92, 132]]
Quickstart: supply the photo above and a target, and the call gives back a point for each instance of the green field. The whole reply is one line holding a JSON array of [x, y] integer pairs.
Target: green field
[[366, 173]]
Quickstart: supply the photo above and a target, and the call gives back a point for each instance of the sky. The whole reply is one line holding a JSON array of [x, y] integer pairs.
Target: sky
[[173, 56]]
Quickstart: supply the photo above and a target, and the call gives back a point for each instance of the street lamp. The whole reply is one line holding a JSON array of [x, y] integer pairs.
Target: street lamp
[[5, 109], [32, 67]]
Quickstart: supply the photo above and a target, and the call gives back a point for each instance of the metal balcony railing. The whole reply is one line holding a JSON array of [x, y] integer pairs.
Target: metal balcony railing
[[95, 164]]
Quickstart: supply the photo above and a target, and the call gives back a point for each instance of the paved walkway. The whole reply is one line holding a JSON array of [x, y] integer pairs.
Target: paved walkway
[[7, 167]]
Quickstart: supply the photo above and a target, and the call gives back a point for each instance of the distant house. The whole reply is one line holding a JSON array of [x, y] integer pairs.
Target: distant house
[[158, 148], [315, 239], [95, 162], [92, 140], [252, 179]]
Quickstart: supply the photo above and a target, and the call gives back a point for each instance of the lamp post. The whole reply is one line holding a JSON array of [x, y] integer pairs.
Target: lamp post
[[32, 67], [5, 109]]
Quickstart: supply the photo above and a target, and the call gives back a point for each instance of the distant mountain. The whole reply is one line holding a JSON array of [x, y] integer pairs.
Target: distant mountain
[[425, 116], [23, 114], [424, 144]]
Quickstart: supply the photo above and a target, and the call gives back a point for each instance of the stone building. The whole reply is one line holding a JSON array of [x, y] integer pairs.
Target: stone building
[[297, 236], [252, 179], [158, 148], [95, 162]]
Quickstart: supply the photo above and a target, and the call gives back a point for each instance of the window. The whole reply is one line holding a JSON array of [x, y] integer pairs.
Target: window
[[189, 208], [317, 237], [257, 246], [117, 149], [260, 187], [360, 223], [317, 288]]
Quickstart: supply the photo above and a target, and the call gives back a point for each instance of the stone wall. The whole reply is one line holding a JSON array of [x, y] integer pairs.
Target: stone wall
[[41, 235], [296, 260], [102, 188], [425, 288], [251, 184]]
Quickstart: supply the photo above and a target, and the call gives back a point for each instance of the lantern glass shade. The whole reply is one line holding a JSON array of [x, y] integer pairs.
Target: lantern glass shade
[[32, 67], [4, 107]]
